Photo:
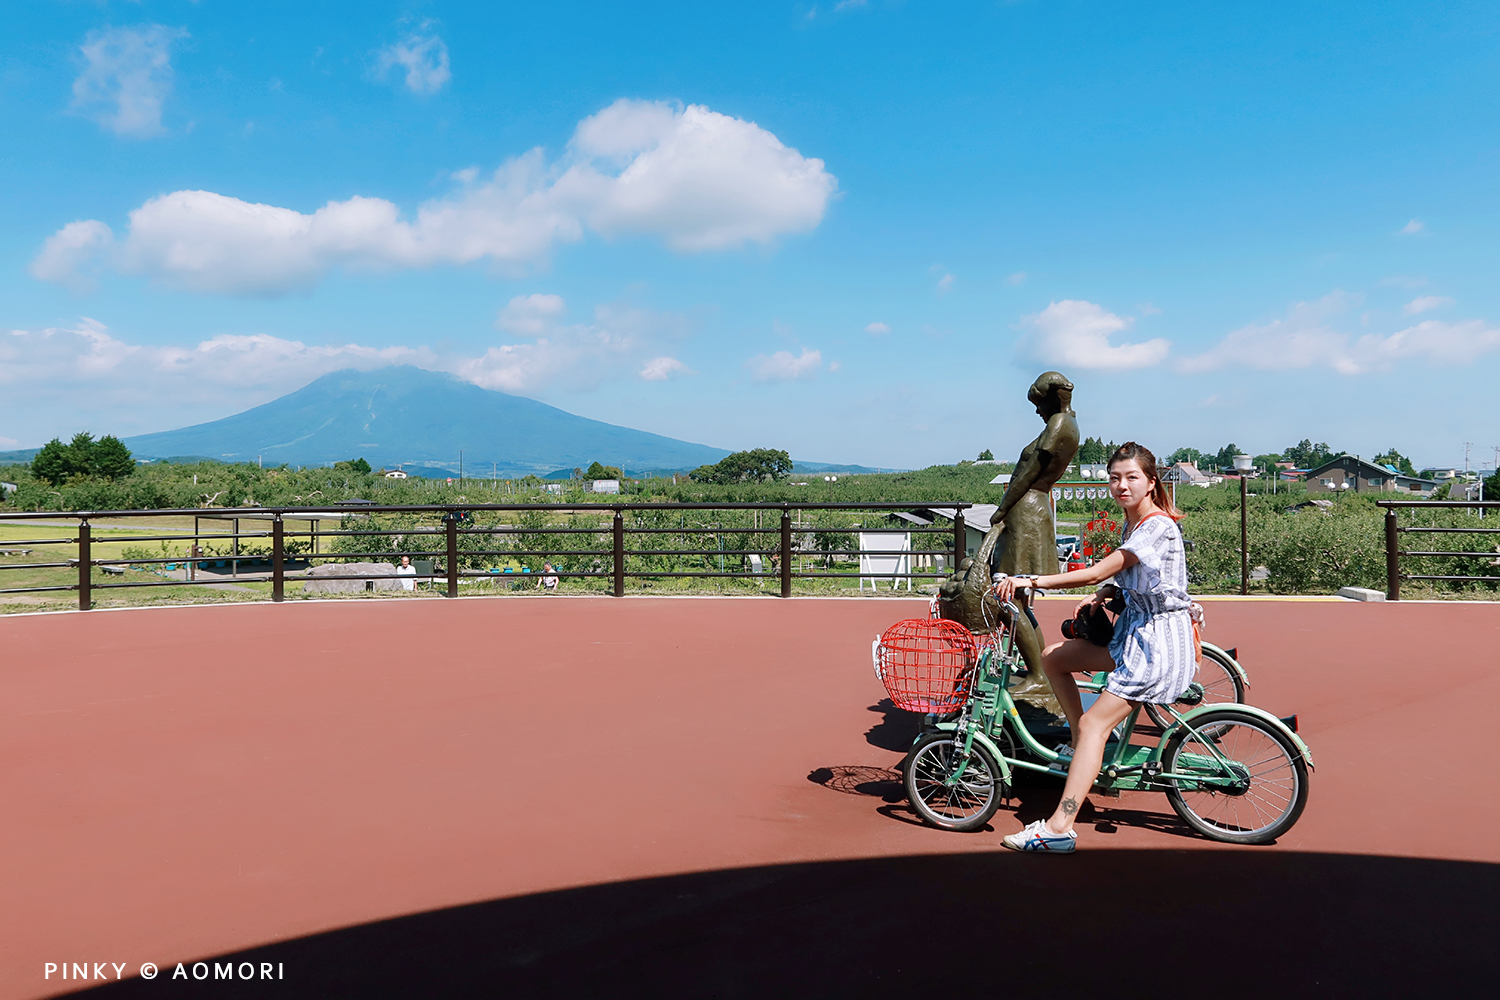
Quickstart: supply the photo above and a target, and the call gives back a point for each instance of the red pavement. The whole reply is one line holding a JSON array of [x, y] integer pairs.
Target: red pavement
[[180, 783]]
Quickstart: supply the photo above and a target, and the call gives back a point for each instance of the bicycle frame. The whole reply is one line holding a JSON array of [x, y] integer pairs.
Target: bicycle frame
[[1130, 767]]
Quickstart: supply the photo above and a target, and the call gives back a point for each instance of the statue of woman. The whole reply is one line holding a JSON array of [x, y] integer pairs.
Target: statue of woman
[[1022, 537]]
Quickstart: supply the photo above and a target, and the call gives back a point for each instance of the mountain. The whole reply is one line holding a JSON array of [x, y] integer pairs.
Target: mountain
[[408, 416]]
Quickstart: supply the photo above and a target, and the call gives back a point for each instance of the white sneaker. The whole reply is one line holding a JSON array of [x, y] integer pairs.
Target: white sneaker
[[1037, 837]]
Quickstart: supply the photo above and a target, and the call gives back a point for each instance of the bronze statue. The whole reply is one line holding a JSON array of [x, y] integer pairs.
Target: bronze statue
[[1022, 537]]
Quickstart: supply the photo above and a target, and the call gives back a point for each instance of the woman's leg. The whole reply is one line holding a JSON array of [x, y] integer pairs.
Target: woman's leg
[[1061, 660], [1089, 738]]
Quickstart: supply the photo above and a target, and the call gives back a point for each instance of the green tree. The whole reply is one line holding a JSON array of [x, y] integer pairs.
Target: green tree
[[53, 463], [597, 471], [358, 465], [1192, 455], [1225, 458], [1306, 455], [986, 456], [110, 458], [1400, 461], [755, 466], [1092, 451]]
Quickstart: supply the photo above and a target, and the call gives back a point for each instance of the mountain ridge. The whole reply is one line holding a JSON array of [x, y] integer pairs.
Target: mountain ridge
[[407, 416]]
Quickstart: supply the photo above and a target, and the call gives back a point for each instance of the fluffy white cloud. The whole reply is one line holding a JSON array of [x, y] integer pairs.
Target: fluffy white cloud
[[425, 59], [945, 284], [661, 369], [579, 355], [1076, 334], [784, 366], [69, 254], [531, 315], [1307, 338], [877, 329], [1302, 339], [126, 78], [1425, 303], [1413, 227], [692, 177], [87, 371]]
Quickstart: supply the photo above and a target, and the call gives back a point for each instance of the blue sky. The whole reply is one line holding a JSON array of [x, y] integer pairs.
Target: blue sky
[[853, 230]]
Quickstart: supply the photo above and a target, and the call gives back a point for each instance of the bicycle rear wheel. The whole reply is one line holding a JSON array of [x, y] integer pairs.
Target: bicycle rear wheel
[[1254, 796], [962, 805], [1221, 685]]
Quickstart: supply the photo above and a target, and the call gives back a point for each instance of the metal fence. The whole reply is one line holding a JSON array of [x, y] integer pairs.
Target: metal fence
[[451, 544], [1394, 553]]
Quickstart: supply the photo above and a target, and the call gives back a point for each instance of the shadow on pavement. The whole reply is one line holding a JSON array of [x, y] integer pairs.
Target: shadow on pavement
[[1222, 923]]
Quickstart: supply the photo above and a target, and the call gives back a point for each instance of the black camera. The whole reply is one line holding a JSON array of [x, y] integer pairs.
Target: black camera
[[1093, 624]]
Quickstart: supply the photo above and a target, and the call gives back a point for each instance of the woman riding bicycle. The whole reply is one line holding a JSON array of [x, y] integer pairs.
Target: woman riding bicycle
[[1152, 656]]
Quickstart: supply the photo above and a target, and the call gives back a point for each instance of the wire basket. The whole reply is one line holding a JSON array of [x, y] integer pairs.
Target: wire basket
[[926, 664]]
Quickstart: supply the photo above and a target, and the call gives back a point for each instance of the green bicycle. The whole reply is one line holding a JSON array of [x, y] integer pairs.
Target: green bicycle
[[1232, 772]]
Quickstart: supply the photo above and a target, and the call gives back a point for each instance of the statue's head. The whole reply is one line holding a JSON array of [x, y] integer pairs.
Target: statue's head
[[1051, 393]]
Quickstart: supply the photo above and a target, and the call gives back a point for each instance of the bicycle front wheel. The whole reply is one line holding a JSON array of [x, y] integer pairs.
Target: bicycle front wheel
[[962, 804], [1221, 685], [1238, 779]]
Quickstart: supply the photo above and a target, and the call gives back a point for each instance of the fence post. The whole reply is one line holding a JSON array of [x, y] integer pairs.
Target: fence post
[[85, 566], [1244, 542], [960, 537], [1392, 557], [278, 558], [452, 519], [619, 532], [786, 552]]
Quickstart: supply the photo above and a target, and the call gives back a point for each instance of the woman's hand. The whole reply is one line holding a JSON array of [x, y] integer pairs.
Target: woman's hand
[[1005, 588], [1093, 602]]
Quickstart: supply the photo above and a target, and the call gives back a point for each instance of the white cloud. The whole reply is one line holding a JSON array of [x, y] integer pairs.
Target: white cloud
[[127, 78], [86, 366], [696, 179], [69, 254], [1425, 303], [1433, 341], [86, 369], [661, 369], [1306, 338], [783, 366], [1413, 227], [1302, 339], [531, 315], [425, 59], [1076, 334], [843, 5], [877, 329], [945, 284], [1016, 279]]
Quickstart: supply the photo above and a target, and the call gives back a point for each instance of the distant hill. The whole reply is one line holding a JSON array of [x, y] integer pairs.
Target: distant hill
[[409, 416]]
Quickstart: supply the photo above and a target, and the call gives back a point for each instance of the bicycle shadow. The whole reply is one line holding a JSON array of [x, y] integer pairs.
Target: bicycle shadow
[[897, 729]]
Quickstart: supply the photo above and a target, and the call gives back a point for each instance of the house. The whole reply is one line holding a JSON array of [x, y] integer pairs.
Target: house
[[394, 474], [976, 521], [1348, 472], [601, 486], [1186, 472]]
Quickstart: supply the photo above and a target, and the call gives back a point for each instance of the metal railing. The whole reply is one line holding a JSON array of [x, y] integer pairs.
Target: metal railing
[[1394, 553], [292, 554]]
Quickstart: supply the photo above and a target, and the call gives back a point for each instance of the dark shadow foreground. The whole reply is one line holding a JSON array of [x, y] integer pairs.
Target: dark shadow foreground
[[1219, 923]]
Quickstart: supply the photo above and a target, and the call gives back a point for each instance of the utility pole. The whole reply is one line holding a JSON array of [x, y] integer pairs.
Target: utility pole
[[1467, 446]]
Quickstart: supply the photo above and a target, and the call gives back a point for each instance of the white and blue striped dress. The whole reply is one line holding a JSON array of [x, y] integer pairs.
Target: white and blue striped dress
[[1153, 650]]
